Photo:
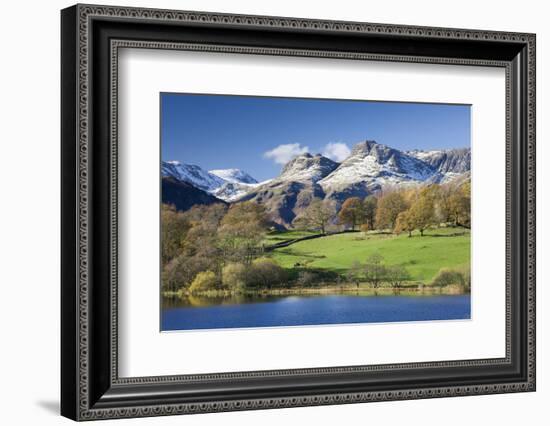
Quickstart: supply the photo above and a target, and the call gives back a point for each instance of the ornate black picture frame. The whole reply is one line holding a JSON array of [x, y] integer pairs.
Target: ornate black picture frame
[[91, 37]]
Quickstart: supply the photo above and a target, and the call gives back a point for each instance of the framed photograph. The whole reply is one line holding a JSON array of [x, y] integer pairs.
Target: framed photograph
[[263, 212]]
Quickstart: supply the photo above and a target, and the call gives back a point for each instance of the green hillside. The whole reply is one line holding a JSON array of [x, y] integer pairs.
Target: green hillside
[[422, 256]]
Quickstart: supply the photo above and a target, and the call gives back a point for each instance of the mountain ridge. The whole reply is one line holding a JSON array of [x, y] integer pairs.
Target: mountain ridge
[[370, 167], [184, 195], [373, 166], [225, 184]]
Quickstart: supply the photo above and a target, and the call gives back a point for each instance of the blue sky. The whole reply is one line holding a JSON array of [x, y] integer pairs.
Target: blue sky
[[258, 134]]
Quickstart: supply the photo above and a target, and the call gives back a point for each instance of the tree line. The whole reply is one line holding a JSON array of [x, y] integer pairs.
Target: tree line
[[399, 210], [216, 248], [375, 272]]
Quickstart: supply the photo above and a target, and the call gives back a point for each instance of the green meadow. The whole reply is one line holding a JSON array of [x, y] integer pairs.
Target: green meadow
[[422, 256]]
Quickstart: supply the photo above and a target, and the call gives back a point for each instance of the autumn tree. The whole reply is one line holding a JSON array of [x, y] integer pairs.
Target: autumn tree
[[208, 215], [388, 208], [173, 232], [317, 215], [370, 204], [181, 271], [404, 223], [201, 243], [242, 231], [460, 205], [442, 206], [205, 221], [198, 246], [421, 212], [352, 212]]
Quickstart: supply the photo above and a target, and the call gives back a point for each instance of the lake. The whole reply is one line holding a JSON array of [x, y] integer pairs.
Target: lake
[[192, 313]]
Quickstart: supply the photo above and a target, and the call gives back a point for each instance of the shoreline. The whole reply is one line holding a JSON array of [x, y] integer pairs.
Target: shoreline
[[328, 290]]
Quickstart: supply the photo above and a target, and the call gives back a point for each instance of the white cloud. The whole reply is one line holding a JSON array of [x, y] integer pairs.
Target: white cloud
[[336, 151], [282, 154]]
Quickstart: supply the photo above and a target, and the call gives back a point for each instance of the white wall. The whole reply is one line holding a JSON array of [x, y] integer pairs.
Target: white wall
[[29, 225]]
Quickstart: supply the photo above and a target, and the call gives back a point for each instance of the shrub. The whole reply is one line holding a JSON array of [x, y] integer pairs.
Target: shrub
[[446, 277], [317, 277], [204, 281], [306, 278], [180, 272], [465, 271], [234, 276], [265, 273]]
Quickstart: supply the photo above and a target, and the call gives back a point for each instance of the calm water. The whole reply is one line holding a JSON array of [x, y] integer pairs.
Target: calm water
[[246, 311]]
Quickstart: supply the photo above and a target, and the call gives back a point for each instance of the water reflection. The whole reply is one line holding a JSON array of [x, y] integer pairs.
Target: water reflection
[[262, 310], [189, 301]]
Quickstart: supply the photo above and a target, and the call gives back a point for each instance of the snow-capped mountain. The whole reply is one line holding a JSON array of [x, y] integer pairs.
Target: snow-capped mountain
[[372, 166], [307, 167], [369, 168], [446, 161], [225, 184], [237, 184], [233, 175], [192, 174], [232, 191]]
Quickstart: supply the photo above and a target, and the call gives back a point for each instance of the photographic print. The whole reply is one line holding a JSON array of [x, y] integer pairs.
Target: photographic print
[[298, 212]]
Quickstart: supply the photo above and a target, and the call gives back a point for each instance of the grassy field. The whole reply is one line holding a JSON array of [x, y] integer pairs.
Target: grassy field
[[422, 256]]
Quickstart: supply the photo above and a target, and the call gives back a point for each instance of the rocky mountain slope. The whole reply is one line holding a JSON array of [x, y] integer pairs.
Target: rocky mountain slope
[[183, 195], [369, 168], [307, 168], [192, 174], [451, 164], [290, 192]]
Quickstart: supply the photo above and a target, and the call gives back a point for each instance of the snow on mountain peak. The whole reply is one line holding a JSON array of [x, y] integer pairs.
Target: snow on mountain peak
[[233, 175], [226, 184], [446, 161], [371, 166], [307, 167], [377, 165], [192, 174]]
